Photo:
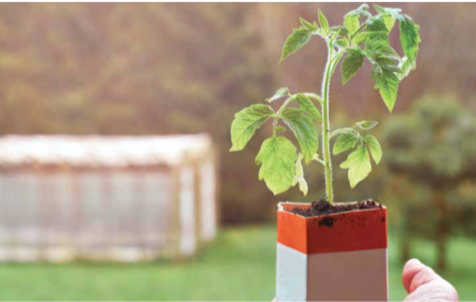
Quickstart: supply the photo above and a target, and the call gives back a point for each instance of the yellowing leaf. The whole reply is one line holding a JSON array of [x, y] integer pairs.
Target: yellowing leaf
[[299, 176], [374, 147], [277, 158], [351, 22], [308, 106], [387, 82], [344, 142], [246, 122], [304, 130], [389, 22], [358, 164]]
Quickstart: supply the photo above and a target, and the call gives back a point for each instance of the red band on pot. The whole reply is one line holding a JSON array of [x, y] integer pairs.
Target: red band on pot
[[342, 232]]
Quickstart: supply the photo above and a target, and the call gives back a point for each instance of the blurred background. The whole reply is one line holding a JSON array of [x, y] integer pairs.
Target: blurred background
[[155, 70]]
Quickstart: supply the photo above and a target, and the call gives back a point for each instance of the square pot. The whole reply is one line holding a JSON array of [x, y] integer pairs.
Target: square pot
[[338, 257]]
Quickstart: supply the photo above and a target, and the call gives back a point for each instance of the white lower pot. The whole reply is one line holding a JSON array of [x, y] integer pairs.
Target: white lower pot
[[338, 257]]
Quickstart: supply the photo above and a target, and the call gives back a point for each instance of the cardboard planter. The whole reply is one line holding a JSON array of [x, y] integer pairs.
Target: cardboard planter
[[338, 257]]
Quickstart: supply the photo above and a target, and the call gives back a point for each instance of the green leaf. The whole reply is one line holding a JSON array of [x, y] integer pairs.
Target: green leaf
[[246, 122], [389, 22], [376, 26], [351, 22], [376, 35], [376, 71], [298, 169], [277, 157], [307, 25], [387, 82], [344, 142], [303, 187], [392, 68], [342, 130], [308, 106], [341, 43], [375, 41], [379, 9], [323, 21], [359, 38], [303, 128], [351, 64], [299, 176], [389, 53], [366, 125], [280, 129], [409, 37], [374, 147], [339, 30], [358, 163], [295, 41], [386, 16], [385, 63], [281, 92]]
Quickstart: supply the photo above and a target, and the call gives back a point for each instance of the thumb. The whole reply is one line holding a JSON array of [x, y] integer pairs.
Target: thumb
[[422, 283]]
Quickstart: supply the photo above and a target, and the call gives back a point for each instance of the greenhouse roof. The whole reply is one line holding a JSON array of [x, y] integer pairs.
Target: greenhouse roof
[[109, 151]]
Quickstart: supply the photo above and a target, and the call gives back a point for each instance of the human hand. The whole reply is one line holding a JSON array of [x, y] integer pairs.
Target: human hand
[[422, 283]]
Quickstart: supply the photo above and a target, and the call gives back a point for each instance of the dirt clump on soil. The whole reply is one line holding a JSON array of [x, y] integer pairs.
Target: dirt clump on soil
[[323, 208]]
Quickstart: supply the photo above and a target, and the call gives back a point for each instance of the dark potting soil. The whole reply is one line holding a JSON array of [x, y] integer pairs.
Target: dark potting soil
[[323, 208]]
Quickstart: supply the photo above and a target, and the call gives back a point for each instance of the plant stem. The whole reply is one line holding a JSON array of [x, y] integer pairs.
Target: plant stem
[[357, 31], [320, 161], [315, 97], [326, 127], [278, 114]]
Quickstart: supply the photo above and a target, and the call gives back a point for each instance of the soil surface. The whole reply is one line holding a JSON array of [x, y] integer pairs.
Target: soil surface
[[323, 208]]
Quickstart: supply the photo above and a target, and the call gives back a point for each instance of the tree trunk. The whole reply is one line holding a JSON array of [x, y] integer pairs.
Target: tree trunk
[[405, 253], [442, 248], [406, 240], [442, 228]]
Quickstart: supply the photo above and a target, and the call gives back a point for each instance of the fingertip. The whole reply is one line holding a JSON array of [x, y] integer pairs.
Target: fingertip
[[410, 270], [413, 261], [422, 283]]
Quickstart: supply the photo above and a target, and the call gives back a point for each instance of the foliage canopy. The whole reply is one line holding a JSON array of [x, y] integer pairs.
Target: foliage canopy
[[363, 36]]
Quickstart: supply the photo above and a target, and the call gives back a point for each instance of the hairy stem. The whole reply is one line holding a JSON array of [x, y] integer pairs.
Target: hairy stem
[[319, 161], [326, 126], [315, 97]]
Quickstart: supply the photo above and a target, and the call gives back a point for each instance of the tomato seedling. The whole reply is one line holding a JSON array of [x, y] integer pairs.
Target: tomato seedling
[[351, 43]]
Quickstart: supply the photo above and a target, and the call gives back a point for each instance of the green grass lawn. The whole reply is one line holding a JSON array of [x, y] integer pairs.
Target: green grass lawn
[[239, 265]]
